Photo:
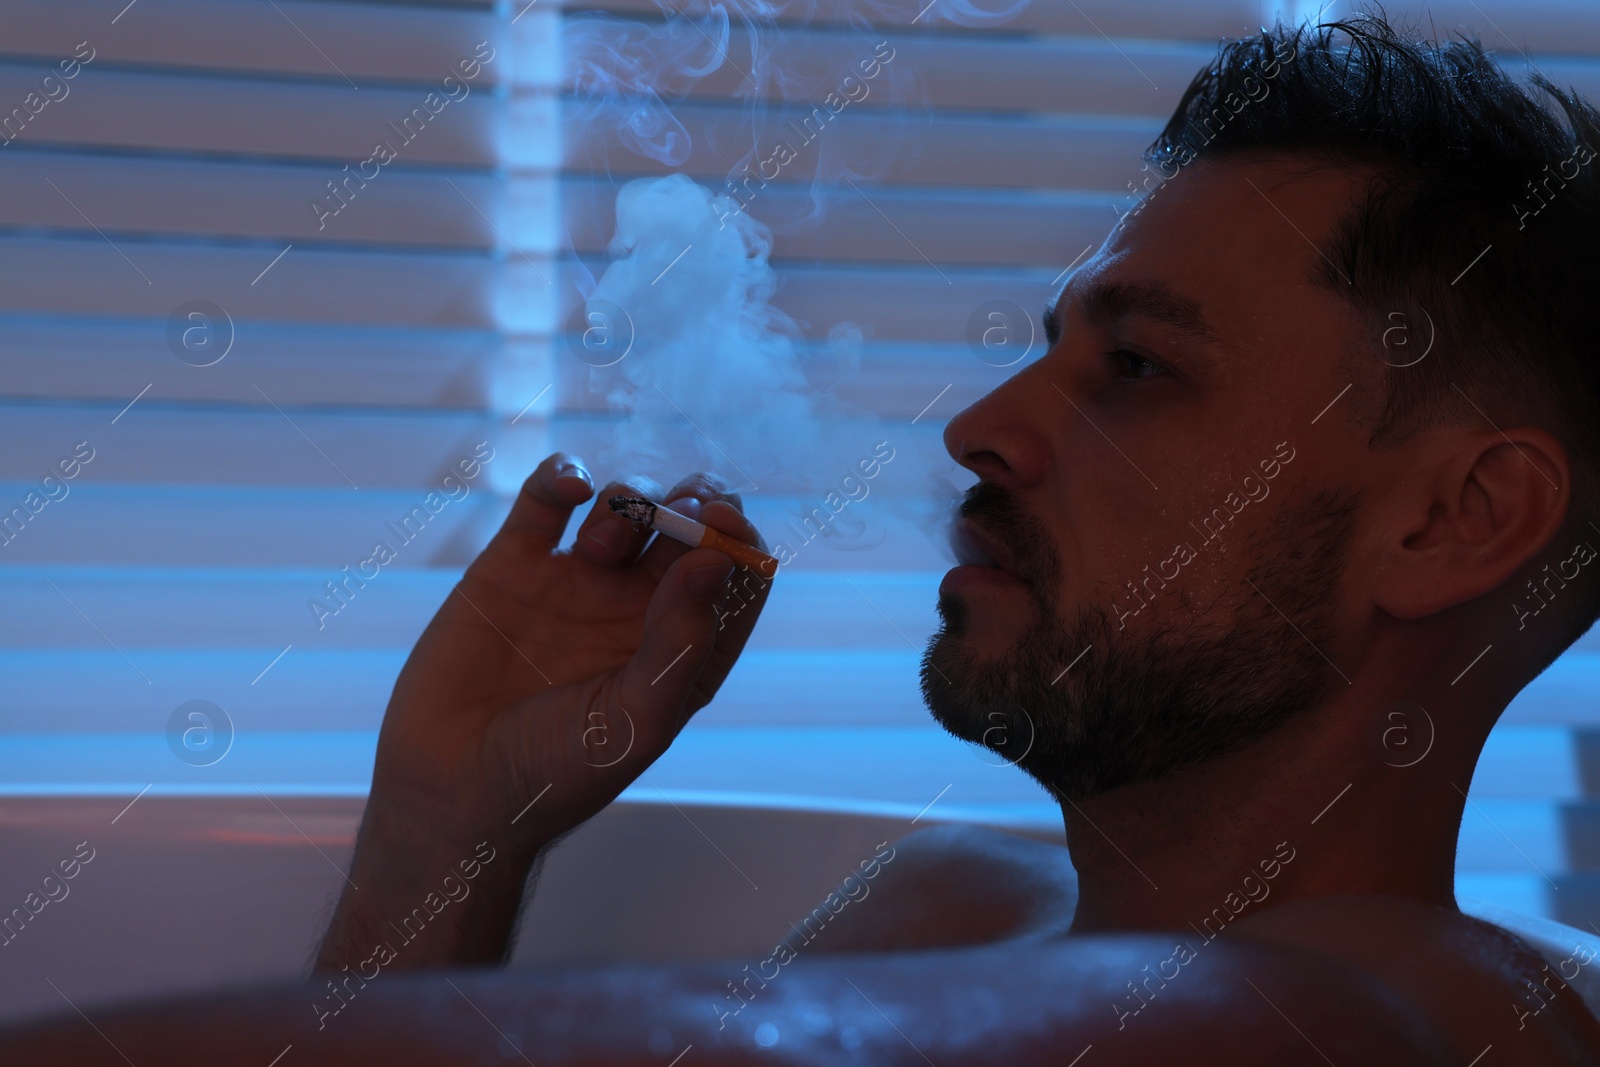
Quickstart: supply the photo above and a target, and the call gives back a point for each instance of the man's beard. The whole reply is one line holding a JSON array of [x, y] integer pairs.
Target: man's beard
[[1134, 709]]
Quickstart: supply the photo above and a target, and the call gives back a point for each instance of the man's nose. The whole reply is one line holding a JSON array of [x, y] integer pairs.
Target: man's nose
[[1000, 437]]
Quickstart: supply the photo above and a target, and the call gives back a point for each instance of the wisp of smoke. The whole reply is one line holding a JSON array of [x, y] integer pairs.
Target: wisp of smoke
[[716, 370], [716, 377]]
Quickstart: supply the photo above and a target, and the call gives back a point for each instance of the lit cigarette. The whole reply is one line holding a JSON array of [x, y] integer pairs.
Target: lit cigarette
[[664, 520]]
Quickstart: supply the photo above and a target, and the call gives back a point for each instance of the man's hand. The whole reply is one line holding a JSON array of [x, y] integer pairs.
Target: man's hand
[[547, 682]]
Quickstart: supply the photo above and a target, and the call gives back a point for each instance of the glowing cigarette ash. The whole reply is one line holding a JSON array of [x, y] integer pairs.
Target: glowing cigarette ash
[[664, 520]]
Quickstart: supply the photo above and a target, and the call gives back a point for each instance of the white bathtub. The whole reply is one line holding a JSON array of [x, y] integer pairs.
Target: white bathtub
[[188, 893]]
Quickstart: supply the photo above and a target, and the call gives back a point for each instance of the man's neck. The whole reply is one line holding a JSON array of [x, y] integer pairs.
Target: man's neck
[[1309, 811]]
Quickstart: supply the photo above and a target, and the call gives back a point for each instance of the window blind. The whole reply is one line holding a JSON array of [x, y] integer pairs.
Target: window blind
[[256, 256], [425, 314]]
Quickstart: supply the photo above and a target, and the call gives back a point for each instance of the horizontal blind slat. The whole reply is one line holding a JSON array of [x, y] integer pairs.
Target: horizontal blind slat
[[93, 276], [250, 607], [1004, 151], [1204, 20], [317, 39], [219, 199], [255, 445], [171, 112], [111, 360], [961, 226]]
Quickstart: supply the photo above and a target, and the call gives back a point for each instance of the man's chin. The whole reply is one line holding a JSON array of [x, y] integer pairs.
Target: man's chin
[[1086, 708], [975, 630], [968, 690]]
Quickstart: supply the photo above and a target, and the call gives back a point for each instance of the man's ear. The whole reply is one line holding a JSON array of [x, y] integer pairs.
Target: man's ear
[[1485, 503]]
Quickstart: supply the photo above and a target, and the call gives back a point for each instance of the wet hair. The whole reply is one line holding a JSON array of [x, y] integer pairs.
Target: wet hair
[[1479, 232]]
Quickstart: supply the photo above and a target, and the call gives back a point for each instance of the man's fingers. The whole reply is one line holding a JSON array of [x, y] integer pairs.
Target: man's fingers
[[542, 510], [540, 513], [687, 498], [741, 602], [730, 519], [606, 537], [709, 652], [679, 629]]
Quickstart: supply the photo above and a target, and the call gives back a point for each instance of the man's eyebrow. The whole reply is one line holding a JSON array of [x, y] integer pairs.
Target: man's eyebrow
[[1105, 302]]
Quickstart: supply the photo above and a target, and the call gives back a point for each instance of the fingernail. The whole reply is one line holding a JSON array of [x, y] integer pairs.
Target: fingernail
[[611, 533], [707, 580], [567, 469]]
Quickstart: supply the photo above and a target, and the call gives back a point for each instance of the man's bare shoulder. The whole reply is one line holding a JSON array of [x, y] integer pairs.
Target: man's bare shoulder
[[1040, 1003], [1455, 967], [956, 884], [967, 885]]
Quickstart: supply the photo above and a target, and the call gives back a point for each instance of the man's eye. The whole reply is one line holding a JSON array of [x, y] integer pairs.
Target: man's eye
[[1137, 366]]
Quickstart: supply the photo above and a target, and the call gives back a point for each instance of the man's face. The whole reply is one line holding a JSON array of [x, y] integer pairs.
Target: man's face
[[1171, 491]]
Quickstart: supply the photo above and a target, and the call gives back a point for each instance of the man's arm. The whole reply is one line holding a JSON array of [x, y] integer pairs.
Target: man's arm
[[419, 895], [548, 681], [1240, 1004]]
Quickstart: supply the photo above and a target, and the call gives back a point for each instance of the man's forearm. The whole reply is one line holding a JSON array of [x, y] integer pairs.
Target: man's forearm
[[421, 895]]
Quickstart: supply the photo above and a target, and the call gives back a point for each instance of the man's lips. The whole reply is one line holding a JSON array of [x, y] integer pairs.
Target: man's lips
[[974, 547]]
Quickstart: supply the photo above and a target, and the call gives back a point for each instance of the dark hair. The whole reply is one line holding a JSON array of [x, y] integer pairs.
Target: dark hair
[[1467, 158]]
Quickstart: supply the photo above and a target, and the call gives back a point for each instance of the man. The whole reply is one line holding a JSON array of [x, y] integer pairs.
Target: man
[[1230, 532]]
